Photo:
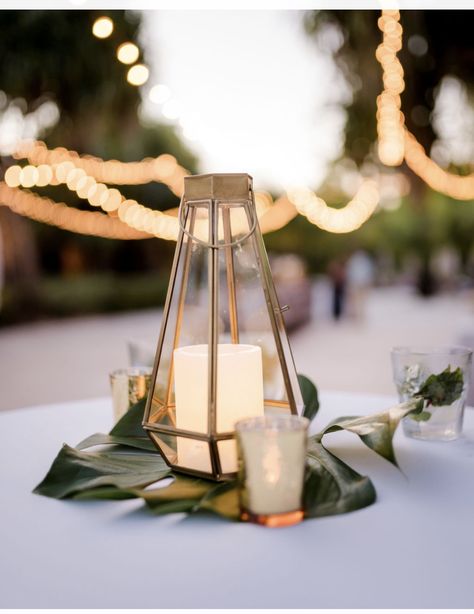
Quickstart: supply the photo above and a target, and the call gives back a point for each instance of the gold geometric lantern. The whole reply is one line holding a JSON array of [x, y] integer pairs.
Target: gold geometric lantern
[[223, 353]]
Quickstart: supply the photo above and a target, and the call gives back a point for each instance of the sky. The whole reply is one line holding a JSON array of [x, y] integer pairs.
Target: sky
[[249, 92]]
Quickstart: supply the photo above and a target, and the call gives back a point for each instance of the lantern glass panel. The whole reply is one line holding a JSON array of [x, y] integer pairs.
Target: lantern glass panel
[[184, 452], [249, 321], [186, 325], [167, 445], [228, 455]]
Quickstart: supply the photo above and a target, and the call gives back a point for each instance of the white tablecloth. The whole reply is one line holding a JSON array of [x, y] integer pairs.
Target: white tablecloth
[[413, 548]]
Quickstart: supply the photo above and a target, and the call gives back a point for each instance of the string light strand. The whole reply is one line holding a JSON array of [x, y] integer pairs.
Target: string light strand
[[348, 218], [164, 169], [395, 142], [44, 210]]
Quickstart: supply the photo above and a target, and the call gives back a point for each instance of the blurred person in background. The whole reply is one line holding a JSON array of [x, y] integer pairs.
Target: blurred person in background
[[360, 278], [338, 277], [447, 267]]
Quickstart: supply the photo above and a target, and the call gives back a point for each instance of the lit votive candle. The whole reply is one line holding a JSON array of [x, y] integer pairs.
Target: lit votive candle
[[239, 395], [128, 387], [272, 453]]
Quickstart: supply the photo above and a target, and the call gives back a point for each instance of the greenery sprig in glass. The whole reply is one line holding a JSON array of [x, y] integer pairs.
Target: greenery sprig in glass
[[438, 391]]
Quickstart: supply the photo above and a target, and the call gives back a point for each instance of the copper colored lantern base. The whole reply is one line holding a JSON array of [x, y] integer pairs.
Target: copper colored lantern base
[[286, 519]]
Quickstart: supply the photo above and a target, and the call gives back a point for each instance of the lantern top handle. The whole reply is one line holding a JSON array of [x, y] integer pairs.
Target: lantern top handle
[[228, 187], [218, 186]]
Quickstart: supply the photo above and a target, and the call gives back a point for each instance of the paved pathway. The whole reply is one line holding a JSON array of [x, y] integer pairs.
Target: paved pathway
[[70, 359]]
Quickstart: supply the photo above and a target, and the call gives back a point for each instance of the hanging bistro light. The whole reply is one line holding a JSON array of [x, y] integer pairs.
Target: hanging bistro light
[[223, 353]]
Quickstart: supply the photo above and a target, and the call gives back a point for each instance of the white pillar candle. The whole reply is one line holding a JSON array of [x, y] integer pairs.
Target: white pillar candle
[[239, 395]]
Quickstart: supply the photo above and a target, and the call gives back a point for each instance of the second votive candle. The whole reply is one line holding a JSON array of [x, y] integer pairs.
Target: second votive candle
[[272, 459]]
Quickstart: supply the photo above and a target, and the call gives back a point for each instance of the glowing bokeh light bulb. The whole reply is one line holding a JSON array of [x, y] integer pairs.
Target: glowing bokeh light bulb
[[12, 176], [45, 175], [138, 74], [28, 176], [103, 27], [128, 53]]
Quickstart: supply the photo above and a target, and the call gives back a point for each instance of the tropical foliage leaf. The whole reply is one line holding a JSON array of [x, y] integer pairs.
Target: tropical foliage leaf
[[331, 486], [74, 471], [194, 494], [310, 397], [376, 430], [98, 439], [130, 425], [127, 432]]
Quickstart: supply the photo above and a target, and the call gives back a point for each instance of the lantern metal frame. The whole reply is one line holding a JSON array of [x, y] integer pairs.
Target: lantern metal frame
[[214, 191]]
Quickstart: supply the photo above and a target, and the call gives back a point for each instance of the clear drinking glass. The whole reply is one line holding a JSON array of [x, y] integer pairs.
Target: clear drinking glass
[[272, 453], [128, 387], [411, 368]]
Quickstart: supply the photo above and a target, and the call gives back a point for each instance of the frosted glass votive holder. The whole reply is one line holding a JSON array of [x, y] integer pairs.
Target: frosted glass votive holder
[[272, 455], [128, 387]]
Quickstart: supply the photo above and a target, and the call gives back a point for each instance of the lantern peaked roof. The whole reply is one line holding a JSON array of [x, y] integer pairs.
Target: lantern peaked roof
[[218, 186]]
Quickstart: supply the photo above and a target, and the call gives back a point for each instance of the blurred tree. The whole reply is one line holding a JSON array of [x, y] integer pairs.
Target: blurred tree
[[436, 44], [53, 57]]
